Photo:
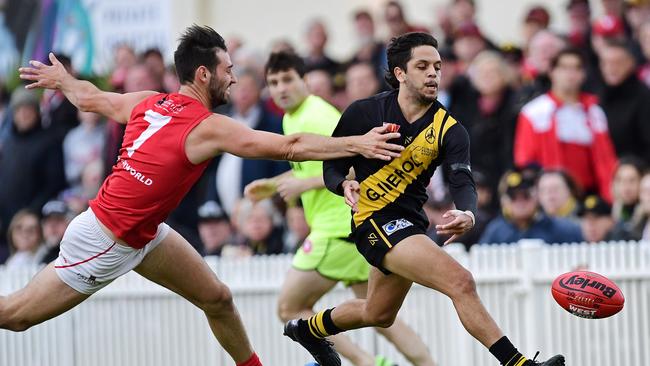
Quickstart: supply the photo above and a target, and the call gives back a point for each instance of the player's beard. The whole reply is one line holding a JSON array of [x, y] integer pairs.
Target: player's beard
[[421, 97], [426, 99], [218, 91]]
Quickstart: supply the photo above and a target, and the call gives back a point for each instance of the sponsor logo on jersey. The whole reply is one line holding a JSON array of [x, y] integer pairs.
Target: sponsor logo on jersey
[[136, 174], [91, 280], [425, 151], [396, 225], [392, 181], [430, 135], [169, 106]]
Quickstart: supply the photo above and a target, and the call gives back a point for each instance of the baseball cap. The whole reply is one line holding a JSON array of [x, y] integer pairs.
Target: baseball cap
[[468, 29], [511, 52], [55, 207], [517, 181], [211, 210], [594, 204], [608, 26], [538, 14]]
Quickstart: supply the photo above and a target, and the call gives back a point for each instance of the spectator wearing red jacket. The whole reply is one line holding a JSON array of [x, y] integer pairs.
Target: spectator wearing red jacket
[[566, 129]]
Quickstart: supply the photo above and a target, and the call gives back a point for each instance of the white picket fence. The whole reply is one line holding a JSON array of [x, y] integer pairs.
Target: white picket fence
[[135, 322]]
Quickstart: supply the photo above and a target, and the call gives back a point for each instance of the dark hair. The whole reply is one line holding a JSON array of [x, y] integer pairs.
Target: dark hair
[[198, 47], [624, 45], [396, 4], [400, 51], [284, 61], [570, 51], [152, 52], [634, 161], [362, 14]]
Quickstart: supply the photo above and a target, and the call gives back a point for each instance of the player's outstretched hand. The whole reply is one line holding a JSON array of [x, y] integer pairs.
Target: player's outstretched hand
[[461, 224], [260, 189], [351, 190], [42, 75], [374, 144]]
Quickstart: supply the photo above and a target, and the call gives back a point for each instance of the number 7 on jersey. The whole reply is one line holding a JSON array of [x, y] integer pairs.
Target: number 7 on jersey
[[156, 122]]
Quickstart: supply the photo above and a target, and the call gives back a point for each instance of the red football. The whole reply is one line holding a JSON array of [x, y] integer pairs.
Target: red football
[[392, 127], [587, 294]]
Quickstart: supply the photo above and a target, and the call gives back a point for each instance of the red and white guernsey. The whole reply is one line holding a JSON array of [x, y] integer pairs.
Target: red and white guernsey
[[152, 173]]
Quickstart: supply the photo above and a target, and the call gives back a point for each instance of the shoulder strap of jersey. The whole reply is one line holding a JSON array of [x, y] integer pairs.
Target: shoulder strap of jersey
[[439, 121], [447, 122]]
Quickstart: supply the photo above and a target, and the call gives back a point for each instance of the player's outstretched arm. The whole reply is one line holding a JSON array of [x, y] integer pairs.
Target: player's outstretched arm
[[223, 134], [83, 94]]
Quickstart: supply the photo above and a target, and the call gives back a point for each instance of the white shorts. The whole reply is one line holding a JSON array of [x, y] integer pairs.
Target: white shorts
[[89, 260]]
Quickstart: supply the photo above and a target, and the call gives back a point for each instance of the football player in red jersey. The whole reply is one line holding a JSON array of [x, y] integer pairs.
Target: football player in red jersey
[[168, 142]]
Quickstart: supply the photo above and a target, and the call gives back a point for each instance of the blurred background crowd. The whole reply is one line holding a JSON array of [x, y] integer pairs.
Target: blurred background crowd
[[559, 128]]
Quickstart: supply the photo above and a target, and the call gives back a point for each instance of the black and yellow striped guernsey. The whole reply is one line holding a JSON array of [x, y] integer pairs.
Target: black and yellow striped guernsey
[[397, 188]]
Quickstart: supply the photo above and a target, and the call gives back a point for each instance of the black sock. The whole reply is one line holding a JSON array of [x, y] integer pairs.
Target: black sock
[[506, 353], [321, 324]]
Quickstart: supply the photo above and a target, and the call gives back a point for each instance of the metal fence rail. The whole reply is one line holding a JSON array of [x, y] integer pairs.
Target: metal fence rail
[[135, 322]]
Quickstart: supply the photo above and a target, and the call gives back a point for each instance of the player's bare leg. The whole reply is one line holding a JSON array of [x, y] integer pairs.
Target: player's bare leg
[[176, 265], [401, 335], [406, 260], [446, 275], [386, 294], [385, 297], [300, 292], [44, 298], [449, 277], [352, 314]]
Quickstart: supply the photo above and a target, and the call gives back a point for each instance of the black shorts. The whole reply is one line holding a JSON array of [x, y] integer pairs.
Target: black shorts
[[376, 236]]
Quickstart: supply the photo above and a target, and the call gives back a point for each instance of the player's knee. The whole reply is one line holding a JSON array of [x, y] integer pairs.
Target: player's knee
[[464, 283], [383, 320], [286, 311], [16, 325], [9, 321], [380, 318], [217, 300]]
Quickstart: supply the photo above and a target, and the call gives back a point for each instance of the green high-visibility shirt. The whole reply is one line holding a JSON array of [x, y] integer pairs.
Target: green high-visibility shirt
[[326, 213]]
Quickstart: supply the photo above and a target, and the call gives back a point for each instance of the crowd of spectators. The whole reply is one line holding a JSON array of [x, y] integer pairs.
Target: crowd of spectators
[[559, 128]]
